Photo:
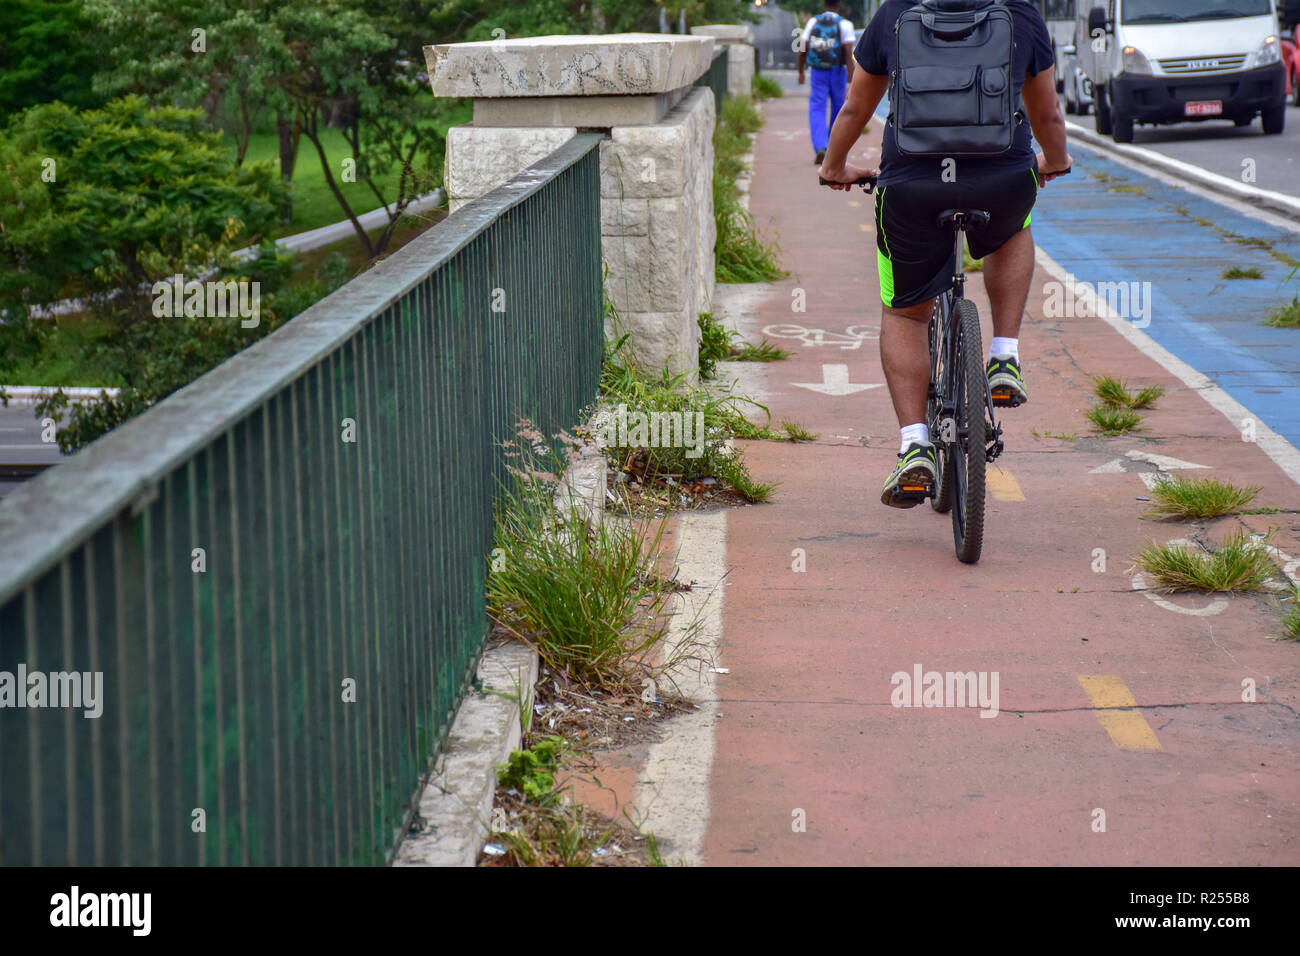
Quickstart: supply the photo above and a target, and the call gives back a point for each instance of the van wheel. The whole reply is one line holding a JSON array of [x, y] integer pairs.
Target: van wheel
[[1122, 127], [1275, 119], [1102, 114], [1083, 109], [1295, 88], [1069, 105]]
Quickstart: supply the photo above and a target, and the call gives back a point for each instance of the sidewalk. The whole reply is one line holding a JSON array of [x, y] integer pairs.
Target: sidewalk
[[803, 727]]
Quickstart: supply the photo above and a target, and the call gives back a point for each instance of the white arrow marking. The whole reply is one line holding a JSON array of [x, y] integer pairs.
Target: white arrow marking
[[835, 381], [1162, 463]]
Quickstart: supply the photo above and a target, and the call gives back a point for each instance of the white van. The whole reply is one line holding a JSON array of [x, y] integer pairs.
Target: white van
[[1177, 61]]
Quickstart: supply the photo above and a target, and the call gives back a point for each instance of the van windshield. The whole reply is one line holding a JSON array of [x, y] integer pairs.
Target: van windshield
[[1182, 11]]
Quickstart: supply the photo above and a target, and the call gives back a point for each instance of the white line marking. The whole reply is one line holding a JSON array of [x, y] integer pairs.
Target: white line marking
[[673, 797], [1284, 454], [1216, 606]]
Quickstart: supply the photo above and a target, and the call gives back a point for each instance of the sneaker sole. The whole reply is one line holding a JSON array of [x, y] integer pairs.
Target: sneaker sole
[[916, 477], [1007, 392]]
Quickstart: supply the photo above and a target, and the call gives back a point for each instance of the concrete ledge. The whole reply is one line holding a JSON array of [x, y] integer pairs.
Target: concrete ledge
[[456, 805], [616, 63], [1288, 206]]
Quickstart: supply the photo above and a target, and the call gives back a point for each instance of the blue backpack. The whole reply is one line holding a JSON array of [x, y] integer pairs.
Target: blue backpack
[[824, 48]]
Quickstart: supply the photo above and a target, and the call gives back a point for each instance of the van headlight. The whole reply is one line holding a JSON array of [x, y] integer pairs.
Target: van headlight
[[1269, 52], [1136, 62]]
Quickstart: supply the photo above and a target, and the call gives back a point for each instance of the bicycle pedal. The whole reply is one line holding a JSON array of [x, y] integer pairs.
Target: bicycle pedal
[[1006, 400], [912, 494]]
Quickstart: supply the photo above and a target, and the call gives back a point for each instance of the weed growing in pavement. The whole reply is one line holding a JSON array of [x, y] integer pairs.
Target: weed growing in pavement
[[740, 255], [968, 264], [1115, 393], [715, 344], [1291, 615], [1286, 317], [764, 351], [624, 385], [1114, 421], [532, 771], [763, 87], [1060, 436], [1236, 272], [797, 432], [587, 596], [1240, 563], [1179, 498], [718, 344]]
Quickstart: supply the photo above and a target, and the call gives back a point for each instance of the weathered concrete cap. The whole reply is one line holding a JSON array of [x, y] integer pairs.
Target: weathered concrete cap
[[726, 32], [603, 65]]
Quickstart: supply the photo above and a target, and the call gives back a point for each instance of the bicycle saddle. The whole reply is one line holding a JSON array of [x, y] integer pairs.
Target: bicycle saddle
[[971, 218]]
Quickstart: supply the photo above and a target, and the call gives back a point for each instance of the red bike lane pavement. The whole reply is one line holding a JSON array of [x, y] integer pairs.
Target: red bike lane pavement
[[1123, 731]]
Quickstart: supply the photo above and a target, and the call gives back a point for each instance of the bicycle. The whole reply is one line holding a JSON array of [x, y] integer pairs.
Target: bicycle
[[966, 441]]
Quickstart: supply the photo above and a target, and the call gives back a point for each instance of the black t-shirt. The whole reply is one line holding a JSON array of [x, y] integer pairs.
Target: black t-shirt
[[877, 52]]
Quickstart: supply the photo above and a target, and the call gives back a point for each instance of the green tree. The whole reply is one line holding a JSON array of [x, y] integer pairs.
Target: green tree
[[45, 55], [99, 205]]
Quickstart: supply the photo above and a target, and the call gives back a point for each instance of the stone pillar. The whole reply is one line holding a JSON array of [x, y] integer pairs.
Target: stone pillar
[[740, 58], [533, 94]]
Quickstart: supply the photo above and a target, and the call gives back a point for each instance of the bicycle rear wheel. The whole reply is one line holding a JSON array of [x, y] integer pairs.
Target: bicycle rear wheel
[[966, 461], [941, 501]]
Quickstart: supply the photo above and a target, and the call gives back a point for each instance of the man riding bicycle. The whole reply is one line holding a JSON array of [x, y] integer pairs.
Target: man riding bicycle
[[914, 254]]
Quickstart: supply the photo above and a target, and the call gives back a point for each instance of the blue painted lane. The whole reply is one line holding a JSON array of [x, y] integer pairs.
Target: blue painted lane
[[1106, 223]]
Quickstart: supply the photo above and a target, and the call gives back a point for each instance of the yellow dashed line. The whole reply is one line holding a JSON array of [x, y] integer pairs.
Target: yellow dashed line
[[1128, 729], [1004, 486], [864, 227], [855, 204]]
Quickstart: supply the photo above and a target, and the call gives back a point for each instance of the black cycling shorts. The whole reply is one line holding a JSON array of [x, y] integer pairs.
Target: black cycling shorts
[[915, 256]]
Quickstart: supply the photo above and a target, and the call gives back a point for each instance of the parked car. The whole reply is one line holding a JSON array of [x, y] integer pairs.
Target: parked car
[[1077, 86], [1178, 61]]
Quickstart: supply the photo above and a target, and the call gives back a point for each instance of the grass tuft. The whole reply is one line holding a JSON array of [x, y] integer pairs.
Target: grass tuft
[[1114, 421], [1179, 497], [1115, 393], [715, 344], [1287, 316], [1291, 616], [764, 351], [797, 432], [1236, 272], [1240, 563], [740, 254], [763, 87]]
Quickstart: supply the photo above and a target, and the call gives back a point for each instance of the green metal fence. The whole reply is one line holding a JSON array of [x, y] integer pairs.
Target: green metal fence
[[715, 77], [275, 697]]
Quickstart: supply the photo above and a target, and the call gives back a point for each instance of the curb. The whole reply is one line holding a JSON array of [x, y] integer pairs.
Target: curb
[[1275, 202], [455, 805]]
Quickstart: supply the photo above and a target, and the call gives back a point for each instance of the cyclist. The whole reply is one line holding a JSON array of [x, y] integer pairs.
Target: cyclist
[[914, 255]]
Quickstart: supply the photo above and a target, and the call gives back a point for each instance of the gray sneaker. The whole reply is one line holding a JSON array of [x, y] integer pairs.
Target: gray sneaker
[[913, 477]]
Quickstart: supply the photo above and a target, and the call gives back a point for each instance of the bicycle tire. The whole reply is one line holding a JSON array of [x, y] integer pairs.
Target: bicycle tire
[[941, 501], [967, 461]]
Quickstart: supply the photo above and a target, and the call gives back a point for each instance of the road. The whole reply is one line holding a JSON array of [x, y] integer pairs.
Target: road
[[1221, 148], [22, 452]]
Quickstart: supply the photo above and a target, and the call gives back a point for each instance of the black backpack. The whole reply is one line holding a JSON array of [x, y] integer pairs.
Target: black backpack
[[951, 93]]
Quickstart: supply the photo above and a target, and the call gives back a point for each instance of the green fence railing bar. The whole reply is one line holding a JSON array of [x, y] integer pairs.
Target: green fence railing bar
[[277, 696], [715, 77]]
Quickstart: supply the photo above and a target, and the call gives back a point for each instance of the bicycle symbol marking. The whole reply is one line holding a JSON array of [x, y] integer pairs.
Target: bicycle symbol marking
[[850, 339]]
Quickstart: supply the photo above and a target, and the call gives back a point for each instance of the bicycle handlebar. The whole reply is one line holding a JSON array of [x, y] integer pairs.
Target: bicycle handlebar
[[868, 183]]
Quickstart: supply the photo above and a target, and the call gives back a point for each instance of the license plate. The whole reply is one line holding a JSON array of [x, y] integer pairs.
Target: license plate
[[1204, 108]]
